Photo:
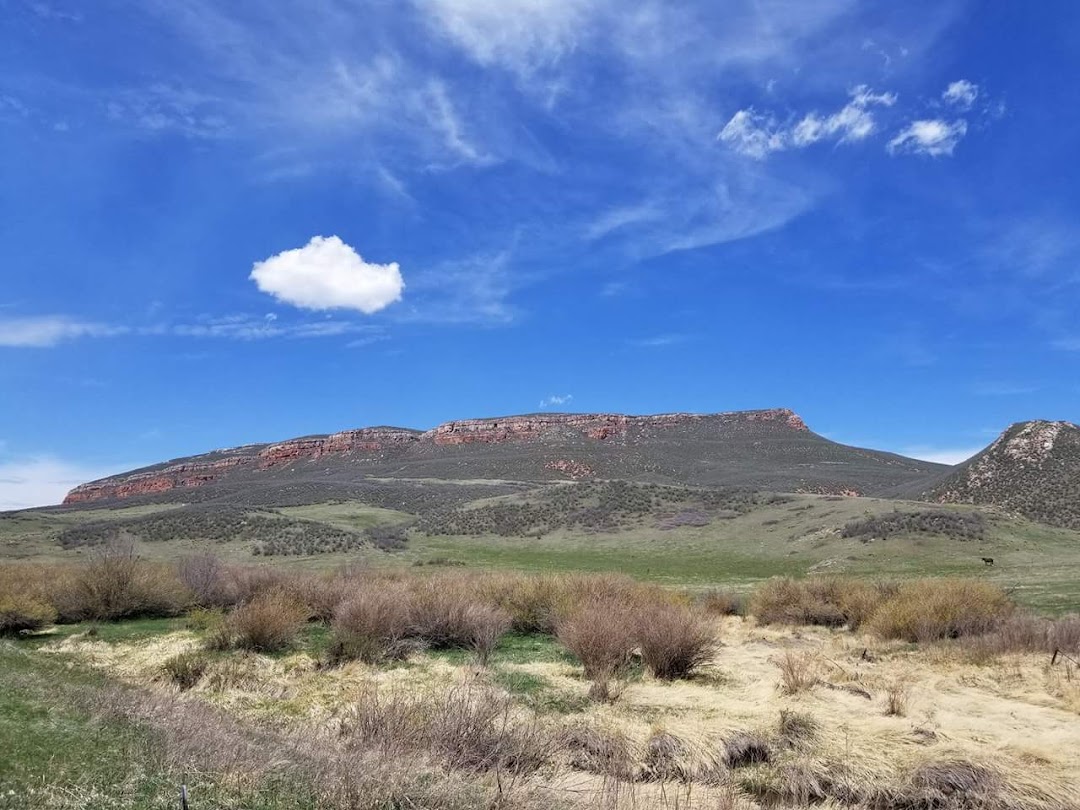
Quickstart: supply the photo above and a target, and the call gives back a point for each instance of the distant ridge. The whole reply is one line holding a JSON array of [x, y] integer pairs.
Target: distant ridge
[[1032, 469], [763, 449]]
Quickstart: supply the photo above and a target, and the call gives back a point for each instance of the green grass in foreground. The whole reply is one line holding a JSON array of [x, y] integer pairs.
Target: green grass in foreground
[[61, 751]]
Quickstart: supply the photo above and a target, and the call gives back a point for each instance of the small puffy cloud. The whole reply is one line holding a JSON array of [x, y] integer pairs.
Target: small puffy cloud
[[328, 274], [556, 400], [757, 135], [49, 330], [934, 137], [961, 94]]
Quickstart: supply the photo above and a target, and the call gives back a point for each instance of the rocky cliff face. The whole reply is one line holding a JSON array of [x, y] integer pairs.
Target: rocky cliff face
[[595, 426], [187, 474], [362, 440], [383, 443]]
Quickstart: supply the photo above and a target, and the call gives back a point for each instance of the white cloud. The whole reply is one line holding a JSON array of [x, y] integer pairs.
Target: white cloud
[[328, 274], [44, 480], [961, 93], [934, 137], [757, 135], [522, 35], [556, 400], [49, 330], [941, 455], [752, 134]]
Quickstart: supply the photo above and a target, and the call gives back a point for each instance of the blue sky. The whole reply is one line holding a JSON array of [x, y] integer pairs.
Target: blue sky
[[238, 221]]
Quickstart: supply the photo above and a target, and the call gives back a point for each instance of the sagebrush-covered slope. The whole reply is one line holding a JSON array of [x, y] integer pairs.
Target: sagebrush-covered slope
[[1032, 469]]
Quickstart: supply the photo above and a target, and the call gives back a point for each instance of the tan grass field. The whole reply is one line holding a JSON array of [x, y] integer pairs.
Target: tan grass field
[[1014, 715]]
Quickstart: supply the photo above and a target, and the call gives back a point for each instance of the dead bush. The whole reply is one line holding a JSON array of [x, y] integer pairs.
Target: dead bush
[[722, 603], [601, 636], [933, 609], [485, 625], [675, 642], [270, 622], [208, 579], [798, 672], [372, 626]]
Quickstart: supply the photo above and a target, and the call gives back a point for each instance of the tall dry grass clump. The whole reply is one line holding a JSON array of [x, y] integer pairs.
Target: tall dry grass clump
[[675, 641], [935, 609], [270, 622]]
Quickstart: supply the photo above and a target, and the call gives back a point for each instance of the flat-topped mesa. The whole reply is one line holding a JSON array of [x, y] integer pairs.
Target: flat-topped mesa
[[185, 474], [597, 426], [361, 440]]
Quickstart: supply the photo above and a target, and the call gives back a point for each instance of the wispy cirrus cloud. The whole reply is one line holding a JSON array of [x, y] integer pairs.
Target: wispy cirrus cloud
[[42, 480], [42, 331], [49, 331]]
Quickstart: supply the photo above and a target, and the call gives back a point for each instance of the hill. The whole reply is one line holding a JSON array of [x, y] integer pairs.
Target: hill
[[1032, 469], [765, 449]]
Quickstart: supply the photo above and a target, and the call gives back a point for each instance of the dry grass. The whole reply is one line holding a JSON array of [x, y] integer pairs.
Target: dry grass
[[897, 695]]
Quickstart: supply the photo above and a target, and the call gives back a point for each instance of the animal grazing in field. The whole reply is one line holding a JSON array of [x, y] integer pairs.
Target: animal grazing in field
[[987, 560]]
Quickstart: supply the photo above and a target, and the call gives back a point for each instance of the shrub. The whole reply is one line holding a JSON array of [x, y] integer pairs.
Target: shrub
[[722, 603], [268, 623], [746, 748], [600, 634], [485, 625], [372, 626], [933, 609], [831, 602], [23, 613], [440, 610], [185, 669], [115, 584], [674, 641], [207, 577]]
